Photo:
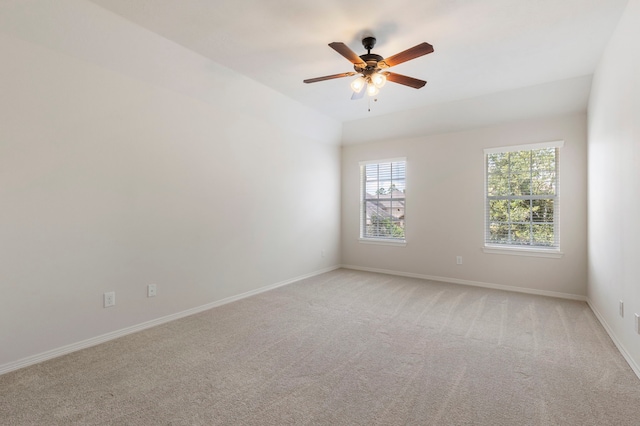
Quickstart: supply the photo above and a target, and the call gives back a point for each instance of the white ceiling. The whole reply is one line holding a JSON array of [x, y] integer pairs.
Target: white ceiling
[[481, 46]]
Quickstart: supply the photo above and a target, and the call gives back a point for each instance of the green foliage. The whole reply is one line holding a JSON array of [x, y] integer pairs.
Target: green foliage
[[384, 227], [521, 187], [384, 191]]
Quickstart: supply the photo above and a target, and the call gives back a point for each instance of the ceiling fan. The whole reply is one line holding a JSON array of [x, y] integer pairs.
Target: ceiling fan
[[372, 67]]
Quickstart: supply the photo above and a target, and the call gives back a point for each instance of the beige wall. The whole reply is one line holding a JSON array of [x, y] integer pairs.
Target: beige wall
[[614, 185], [119, 158], [445, 208]]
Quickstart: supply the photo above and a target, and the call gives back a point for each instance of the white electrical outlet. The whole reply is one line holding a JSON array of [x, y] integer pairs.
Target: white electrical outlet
[[109, 299], [322, 253], [637, 323], [458, 260], [621, 309], [152, 290]]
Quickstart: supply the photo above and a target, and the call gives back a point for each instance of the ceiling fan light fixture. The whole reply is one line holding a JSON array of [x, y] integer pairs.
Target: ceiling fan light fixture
[[358, 84], [378, 80]]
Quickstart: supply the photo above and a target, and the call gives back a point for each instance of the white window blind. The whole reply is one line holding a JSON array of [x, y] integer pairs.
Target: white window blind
[[382, 203], [522, 196]]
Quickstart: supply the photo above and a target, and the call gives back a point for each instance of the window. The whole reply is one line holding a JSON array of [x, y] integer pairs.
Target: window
[[522, 207], [382, 188]]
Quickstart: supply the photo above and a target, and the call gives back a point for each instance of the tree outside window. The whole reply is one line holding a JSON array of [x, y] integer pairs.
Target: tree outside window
[[383, 200], [522, 197]]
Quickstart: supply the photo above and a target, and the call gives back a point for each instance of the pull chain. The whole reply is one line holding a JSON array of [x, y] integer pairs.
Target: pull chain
[[369, 103]]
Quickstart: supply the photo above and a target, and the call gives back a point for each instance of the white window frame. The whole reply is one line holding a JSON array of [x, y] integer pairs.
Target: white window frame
[[524, 250], [392, 241]]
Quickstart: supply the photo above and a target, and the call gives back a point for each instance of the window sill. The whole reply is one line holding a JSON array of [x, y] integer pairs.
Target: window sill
[[383, 242], [521, 251]]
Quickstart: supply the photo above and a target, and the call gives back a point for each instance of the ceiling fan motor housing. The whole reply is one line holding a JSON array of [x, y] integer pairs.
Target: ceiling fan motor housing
[[370, 59]]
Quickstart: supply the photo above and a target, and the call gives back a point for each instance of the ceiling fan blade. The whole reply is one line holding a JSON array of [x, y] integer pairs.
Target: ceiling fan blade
[[409, 54], [344, 50], [403, 79], [358, 95], [329, 77]]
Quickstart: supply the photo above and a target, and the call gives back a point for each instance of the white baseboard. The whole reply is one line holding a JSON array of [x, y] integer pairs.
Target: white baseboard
[[625, 354], [54, 353], [472, 283]]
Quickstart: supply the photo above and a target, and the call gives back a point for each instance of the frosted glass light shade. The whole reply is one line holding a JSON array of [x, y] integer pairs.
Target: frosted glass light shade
[[358, 84], [378, 80]]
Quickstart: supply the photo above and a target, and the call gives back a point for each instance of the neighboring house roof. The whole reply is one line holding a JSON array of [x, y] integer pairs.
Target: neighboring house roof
[[389, 205]]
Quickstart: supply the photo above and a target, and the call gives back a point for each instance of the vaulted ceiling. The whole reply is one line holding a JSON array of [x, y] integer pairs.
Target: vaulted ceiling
[[481, 46]]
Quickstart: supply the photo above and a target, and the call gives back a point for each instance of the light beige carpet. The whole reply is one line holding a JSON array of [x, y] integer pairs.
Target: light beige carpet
[[344, 348]]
